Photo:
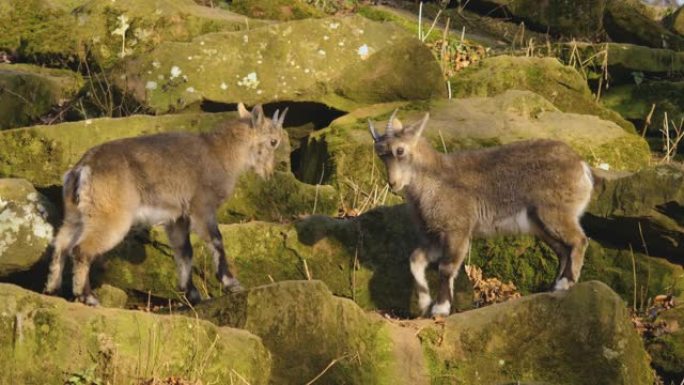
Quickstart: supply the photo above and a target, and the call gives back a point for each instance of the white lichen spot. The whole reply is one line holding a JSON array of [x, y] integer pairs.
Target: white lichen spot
[[123, 26], [32, 196], [260, 61], [363, 52], [306, 70], [333, 25], [202, 42], [341, 44], [224, 86], [326, 37], [604, 166], [88, 121], [610, 354], [151, 85], [245, 39], [249, 81], [175, 72], [502, 362], [190, 90], [189, 57], [259, 92], [160, 77], [185, 77], [321, 52], [156, 64]]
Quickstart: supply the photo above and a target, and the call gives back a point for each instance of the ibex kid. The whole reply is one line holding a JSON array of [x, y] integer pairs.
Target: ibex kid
[[178, 179], [539, 187]]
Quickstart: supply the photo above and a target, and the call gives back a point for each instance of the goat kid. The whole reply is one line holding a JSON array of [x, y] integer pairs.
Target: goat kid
[[539, 187], [175, 179]]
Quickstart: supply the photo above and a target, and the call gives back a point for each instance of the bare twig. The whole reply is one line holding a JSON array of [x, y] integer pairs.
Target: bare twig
[[647, 122], [330, 365]]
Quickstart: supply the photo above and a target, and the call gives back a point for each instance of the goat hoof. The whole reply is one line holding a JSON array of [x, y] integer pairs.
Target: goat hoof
[[193, 296], [89, 300], [441, 309], [232, 285], [562, 284]]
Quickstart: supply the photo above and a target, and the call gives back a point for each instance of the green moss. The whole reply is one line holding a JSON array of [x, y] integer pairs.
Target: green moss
[[52, 338], [527, 340], [311, 56], [292, 318], [561, 85], [282, 197], [28, 93], [276, 10], [667, 350], [70, 31]]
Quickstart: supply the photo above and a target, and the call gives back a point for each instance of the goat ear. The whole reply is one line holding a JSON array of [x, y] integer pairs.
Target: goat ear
[[257, 116], [420, 126], [242, 111]]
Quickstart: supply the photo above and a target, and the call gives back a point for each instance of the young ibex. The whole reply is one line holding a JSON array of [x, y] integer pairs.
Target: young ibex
[[539, 187], [178, 179]]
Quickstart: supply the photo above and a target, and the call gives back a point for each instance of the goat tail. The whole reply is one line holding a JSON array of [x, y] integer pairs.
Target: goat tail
[[74, 179], [597, 176]]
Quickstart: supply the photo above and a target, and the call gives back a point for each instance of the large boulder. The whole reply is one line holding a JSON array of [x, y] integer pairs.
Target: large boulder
[[306, 328], [70, 31], [625, 21], [42, 154], [560, 84], [635, 101], [556, 338], [352, 167], [306, 60], [676, 21], [666, 347], [625, 61], [567, 337], [643, 210], [29, 92], [25, 232], [46, 340]]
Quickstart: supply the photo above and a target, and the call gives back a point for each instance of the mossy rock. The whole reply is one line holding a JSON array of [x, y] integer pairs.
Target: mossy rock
[[643, 210], [675, 22], [29, 92], [303, 60], [46, 340], [570, 19], [345, 148], [629, 22], [283, 10], [634, 102], [626, 60], [110, 296], [558, 338], [69, 31], [279, 198], [25, 233], [306, 328], [667, 350], [560, 84]]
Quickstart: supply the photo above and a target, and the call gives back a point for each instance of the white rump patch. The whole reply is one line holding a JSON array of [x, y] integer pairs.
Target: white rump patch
[[514, 224], [154, 215], [441, 309]]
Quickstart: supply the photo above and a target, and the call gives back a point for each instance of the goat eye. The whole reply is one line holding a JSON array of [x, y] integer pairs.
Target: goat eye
[[400, 151], [274, 142]]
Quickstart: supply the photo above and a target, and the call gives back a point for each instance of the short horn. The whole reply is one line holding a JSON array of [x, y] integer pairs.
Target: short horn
[[390, 128], [373, 133], [282, 117], [275, 116]]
